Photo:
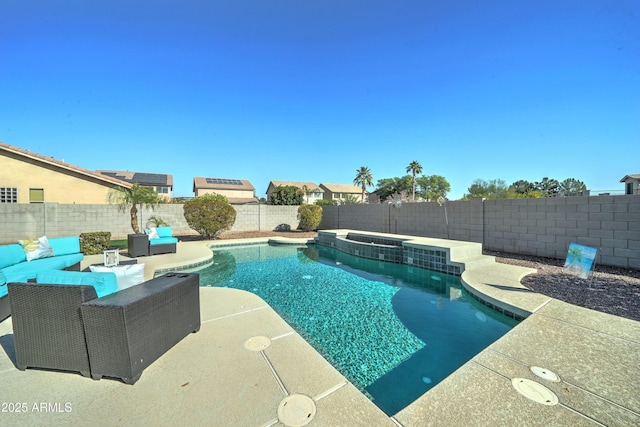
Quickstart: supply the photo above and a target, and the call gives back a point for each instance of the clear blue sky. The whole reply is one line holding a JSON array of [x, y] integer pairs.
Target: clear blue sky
[[312, 90]]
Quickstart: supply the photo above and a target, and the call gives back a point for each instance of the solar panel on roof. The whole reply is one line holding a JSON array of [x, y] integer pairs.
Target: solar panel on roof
[[223, 181], [150, 178]]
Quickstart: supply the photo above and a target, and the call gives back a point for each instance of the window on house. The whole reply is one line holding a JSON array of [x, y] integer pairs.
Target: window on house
[[36, 195], [8, 195], [162, 190], [629, 188]]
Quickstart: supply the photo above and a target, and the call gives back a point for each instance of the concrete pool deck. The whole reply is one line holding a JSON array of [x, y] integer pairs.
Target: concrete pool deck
[[218, 376]]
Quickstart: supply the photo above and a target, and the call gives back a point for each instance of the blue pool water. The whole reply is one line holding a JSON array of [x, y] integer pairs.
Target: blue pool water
[[393, 330]]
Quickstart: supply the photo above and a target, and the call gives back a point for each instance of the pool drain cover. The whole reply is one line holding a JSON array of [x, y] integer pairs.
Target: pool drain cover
[[258, 343], [296, 410], [545, 374], [535, 391]]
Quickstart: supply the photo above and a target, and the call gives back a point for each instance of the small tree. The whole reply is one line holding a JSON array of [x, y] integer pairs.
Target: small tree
[[156, 221], [286, 195], [363, 179], [415, 168], [482, 189], [131, 198], [309, 217], [433, 186], [209, 215], [387, 187]]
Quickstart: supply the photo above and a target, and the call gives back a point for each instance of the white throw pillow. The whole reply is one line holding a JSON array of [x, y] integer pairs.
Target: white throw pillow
[[36, 248], [126, 275], [152, 233]]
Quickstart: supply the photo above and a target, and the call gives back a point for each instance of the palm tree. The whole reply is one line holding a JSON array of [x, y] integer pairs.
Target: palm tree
[[415, 168], [363, 179], [130, 198]]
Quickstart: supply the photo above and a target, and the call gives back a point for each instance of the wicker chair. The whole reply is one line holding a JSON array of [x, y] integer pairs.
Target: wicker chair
[[66, 327], [48, 331]]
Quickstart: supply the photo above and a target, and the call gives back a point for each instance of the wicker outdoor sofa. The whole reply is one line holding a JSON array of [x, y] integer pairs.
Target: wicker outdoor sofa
[[5, 307], [65, 327]]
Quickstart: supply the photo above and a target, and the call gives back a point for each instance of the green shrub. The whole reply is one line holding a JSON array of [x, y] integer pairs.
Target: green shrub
[[209, 215], [309, 217], [323, 202], [286, 195], [95, 242]]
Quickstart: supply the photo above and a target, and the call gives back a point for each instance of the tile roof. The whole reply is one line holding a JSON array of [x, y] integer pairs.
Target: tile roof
[[61, 164], [341, 188], [632, 176]]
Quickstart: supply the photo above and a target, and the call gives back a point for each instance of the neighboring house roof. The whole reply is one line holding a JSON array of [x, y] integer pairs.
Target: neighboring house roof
[[142, 178], [341, 188], [221, 184], [632, 176], [310, 185], [61, 164]]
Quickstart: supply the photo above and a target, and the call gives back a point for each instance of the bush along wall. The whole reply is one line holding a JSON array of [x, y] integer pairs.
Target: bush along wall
[[94, 243]]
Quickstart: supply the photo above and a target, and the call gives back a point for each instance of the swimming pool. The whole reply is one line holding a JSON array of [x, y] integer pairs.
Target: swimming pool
[[393, 330]]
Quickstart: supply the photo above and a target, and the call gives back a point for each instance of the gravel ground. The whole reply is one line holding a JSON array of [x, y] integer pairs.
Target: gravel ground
[[612, 290]]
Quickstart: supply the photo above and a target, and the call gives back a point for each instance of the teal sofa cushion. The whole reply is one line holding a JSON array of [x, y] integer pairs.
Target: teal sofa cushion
[[25, 271], [103, 283], [163, 241], [164, 232], [65, 245], [12, 254]]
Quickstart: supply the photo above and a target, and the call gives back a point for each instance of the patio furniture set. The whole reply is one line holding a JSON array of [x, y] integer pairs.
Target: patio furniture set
[[154, 241], [23, 262], [83, 322]]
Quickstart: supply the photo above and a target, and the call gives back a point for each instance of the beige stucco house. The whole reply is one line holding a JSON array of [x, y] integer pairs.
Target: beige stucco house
[[238, 191], [340, 191], [27, 177], [312, 192], [631, 184], [160, 183]]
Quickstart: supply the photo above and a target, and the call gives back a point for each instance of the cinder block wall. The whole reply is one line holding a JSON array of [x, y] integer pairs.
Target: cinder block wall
[[545, 227], [374, 217], [27, 221], [541, 227], [273, 216], [264, 217], [454, 220]]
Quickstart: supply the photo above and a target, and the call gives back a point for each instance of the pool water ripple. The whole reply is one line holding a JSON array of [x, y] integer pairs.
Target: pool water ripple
[[385, 332]]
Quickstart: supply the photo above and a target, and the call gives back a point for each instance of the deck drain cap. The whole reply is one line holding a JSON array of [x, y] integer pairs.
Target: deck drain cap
[[545, 374], [535, 391], [296, 410], [258, 343]]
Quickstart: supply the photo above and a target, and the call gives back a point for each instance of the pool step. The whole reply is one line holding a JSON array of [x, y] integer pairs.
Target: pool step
[[477, 261]]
